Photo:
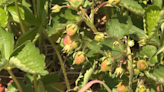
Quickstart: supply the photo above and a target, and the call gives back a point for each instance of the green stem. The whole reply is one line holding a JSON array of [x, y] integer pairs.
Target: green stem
[[20, 1], [20, 19], [130, 60], [35, 82], [92, 12], [14, 78], [88, 18], [34, 5], [89, 84], [97, 8], [60, 59], [112, 11], [161, 44], [106, 13]]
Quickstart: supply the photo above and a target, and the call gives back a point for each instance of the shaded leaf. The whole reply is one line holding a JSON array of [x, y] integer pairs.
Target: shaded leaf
[[3, 63], [133, 6], [29, 78], [61, 19], [158, 3], [156, 74], [41, 86], [119, 26], [52, 85], [136, 33], [149, 50], [13, 88], [29, 35]]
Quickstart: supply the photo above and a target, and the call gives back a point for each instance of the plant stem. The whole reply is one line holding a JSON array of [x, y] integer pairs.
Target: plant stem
[[93, 28], [20, 19], [14, 78], [92, 12], [69, 7], [85, 13], [35, 82], [20, 1], [96, 9], [114, 39], [89, 84], [161, 44], [106, 13], [34, 5], [130, 60], [60, 59]]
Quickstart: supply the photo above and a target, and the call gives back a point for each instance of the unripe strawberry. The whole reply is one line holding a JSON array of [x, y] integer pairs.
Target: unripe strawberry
[[67, 49], [119, 72], [142, 65], [76, 3], [99, 37], [141, 88], [67, 40], [74, 44], [104, 66], [142, 41], [71, 29], [56, 8], [79, 57], [116, 44], [122, 87], [113, 2]]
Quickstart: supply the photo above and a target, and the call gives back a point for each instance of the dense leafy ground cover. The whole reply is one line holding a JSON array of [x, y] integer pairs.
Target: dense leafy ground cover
[[70, 45]]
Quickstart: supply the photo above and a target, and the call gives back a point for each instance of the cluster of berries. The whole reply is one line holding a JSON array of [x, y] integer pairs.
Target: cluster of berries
[[71, 42]]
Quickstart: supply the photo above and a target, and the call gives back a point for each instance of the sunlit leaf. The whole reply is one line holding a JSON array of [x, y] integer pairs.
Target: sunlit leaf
[[29, 60], [6, 44]]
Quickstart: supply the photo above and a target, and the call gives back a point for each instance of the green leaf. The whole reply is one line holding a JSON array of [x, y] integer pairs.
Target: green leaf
[[151, 14], [61, 19], [133, 6], [88, 74], [13, 12], [149, 50], [52, 85], [159, 22], [136, 33], [89, 24], [3, 63], [41, 87], [29, 78], [29, 60], [55, 87], [41, 12], [26, 3], [95, 47], [158, 3], [25, 14], [3, 18], [29, 35], [13, 88], [119, 26], [3, 2], [156, 74], [6, 44]]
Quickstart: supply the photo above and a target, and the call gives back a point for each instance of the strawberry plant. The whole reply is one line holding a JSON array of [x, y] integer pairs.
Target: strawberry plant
[[70, 45]]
